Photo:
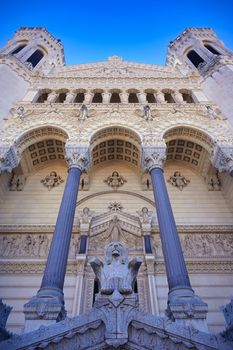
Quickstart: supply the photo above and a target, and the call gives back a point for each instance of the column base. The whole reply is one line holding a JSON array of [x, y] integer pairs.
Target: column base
[[187, 309], [45, 308]]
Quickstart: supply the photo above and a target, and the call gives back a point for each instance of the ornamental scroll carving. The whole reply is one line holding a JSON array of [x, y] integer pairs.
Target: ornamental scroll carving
[[202, 245]]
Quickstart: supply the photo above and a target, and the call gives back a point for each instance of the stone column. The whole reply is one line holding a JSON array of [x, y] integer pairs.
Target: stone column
[[88, 97], [142, 97], [178, 97], [70, 96], [52, 97], [106, 97], [183, 305], [124, 97], [159, 97], [48, 305]]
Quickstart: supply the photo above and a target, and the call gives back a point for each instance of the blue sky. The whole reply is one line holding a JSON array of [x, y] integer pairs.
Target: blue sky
[[137, 30]]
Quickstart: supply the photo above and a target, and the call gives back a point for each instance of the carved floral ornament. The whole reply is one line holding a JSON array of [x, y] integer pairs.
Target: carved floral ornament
[[115, 180]]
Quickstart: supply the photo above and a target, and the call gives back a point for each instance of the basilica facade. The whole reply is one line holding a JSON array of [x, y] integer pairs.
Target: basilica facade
[[116, 151]]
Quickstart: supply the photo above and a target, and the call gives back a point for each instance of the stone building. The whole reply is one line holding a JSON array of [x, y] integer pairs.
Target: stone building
[[112, 144]]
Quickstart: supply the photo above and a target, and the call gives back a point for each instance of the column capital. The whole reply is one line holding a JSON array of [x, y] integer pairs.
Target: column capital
[[78, 157], [153, 157], [222, 158], [9, 158]]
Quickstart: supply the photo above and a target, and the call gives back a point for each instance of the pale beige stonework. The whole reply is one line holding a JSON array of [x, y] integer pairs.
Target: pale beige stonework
[[34, 139]]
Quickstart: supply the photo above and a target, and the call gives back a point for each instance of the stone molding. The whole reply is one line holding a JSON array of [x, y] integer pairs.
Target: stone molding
[[80, 132]]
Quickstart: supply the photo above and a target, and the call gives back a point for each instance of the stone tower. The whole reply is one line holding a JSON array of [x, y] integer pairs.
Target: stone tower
[[30, 52], [200, 50]]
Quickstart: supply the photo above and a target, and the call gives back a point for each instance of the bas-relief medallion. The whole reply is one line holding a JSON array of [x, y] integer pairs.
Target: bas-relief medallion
[[115, 180], [52, 180]]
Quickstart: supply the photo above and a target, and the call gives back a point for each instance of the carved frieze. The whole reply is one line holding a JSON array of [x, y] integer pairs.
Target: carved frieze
[[205, 245], [30, 246]]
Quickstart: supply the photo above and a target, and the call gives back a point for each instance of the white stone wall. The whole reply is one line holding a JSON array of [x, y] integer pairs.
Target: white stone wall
[[195, 205], [215, 289], [12, 88], [218, 89]]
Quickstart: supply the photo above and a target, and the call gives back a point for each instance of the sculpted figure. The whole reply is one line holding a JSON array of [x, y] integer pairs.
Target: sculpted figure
[[178, 180], [116, 273]]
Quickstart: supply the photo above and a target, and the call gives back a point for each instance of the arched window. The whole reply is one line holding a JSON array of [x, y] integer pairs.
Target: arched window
[[115, 98], [61, 98], [212, 49], [187, 97], [97, 98], [168, 97], [133, 97], [18, 49], [150, 98], [79, 98], [36, 57], [194, 58], [43, 97]]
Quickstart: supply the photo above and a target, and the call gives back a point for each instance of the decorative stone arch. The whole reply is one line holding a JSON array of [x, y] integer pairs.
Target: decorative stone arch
[[115, 143], [40, 145], [189, 145], [39, 134]]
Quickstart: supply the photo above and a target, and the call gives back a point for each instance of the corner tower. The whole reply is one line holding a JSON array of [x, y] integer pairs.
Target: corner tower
[[31, 52], [200, 51]]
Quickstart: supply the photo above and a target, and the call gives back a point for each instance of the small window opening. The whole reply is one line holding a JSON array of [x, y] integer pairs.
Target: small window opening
[[97, 98], [35, 58], [212, 49], [187, 97], [150, 98], [133, 97], [43, 97], [115, 98], [79, 98], [18, 49], [61, 98], [168, 97], [195, 58]]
